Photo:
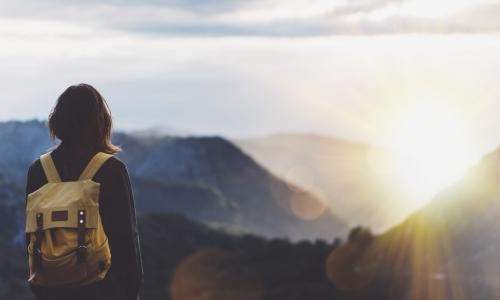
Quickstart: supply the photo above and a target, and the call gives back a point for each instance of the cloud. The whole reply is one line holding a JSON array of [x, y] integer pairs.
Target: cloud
[[484, 18], [272, 18], [357, 7], [37, 8], [201, 6]]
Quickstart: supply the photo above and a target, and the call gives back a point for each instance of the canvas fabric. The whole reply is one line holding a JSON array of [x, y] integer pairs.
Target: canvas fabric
[[53, 213]]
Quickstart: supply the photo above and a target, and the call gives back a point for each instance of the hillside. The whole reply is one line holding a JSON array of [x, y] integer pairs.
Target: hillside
[[246, 267], [447, 250], [354, 177]]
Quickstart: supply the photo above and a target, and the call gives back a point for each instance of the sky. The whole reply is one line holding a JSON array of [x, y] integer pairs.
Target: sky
[[245, 68]]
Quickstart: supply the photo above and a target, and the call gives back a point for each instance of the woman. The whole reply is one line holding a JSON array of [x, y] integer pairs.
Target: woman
[[81, 120]]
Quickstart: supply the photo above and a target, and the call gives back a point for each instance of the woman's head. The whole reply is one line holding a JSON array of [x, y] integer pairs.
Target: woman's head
[[82, 118]]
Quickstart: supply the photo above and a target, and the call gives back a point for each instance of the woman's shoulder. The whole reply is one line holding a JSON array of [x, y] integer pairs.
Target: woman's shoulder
[[36, 177], [115, 162], [35, 166], [114, 170], [114, 165]]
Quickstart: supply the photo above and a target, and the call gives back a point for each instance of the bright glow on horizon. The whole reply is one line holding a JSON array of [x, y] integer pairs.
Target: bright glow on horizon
[[432, 148]]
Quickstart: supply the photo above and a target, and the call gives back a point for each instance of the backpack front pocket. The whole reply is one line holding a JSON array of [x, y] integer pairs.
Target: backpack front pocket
[[61, 271]]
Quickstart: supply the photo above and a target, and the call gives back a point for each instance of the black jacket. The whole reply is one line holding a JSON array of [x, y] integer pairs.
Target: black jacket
[[117, 210]]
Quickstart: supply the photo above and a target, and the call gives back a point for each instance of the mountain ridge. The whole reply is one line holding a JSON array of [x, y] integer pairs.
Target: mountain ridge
[[205, 178]]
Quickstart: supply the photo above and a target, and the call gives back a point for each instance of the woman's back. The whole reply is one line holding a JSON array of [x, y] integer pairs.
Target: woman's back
[[117, 211]]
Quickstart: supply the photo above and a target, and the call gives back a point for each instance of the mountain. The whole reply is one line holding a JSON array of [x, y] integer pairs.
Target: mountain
[[354, 177], [207, 179], [447, 250], [22, 142], [173, 171]]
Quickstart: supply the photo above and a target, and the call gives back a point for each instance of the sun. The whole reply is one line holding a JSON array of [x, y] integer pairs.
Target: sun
[[431, 148]]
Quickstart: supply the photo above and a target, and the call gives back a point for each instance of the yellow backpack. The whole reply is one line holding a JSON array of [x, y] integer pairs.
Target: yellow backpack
[[67, 243]]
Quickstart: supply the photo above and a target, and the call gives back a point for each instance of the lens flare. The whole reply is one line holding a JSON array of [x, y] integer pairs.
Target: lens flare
[[214, 274], [308, 207]]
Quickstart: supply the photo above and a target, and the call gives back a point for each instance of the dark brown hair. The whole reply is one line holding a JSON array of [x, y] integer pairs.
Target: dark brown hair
[[81, 118]]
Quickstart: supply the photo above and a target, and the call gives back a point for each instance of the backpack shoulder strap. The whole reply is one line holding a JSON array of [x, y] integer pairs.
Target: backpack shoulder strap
[[49, 168], [94, 165]]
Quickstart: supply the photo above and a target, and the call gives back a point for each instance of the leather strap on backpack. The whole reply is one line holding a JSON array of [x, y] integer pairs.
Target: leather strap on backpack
[[81, 250], [37, 252]]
